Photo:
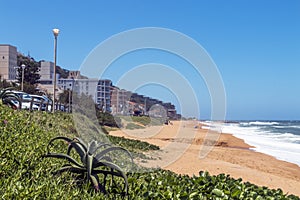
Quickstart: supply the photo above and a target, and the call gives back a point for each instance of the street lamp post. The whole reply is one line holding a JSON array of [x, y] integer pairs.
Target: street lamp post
[[55, 33], [22, 81]]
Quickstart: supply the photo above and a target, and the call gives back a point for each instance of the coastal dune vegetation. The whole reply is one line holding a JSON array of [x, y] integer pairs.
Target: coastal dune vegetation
[[26, 174]]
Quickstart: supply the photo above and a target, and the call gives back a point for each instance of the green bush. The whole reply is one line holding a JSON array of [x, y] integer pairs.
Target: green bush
[[106, 119], [132, 145]]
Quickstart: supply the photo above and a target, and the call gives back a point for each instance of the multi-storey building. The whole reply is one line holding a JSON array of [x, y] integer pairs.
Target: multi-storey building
[[46, 72], [8, 62], [104, 94], [46, 80], [84, 86], [99, 90], [66, 83], [120, 101]]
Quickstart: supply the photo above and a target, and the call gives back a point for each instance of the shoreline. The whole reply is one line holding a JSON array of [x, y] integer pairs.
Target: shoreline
[[180, 149]]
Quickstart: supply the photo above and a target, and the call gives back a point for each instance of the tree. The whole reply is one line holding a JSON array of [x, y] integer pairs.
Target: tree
[[32, 67], [65, 96], [5, 84], [31, 75]]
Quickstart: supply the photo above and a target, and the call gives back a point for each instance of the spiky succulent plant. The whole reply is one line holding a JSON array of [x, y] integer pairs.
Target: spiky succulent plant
[[95, 159]]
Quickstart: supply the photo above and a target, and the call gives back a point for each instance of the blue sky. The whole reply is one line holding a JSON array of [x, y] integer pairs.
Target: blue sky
[[255, 44]]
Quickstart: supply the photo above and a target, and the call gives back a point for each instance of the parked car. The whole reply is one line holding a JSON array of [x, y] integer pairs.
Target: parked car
[[24, 105], [25, 101], [35, 102], [8, 98], [43, 102], [14, 104]]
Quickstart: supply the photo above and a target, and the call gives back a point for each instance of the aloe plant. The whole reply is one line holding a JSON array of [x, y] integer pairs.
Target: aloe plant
[[95, 159]]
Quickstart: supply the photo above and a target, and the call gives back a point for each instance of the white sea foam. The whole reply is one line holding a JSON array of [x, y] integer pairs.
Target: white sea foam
[[283, 146], [260, 123], [295, 127], [205, 127], [281, 127]]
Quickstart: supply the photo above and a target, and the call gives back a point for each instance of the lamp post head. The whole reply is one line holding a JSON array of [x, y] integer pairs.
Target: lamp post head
[[23, 66], [55, 31]]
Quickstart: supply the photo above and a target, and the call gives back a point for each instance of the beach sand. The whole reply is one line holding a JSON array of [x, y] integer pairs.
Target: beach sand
[[182, 142]]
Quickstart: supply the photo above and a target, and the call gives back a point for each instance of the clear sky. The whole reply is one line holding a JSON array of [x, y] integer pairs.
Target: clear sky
[[255, 44]]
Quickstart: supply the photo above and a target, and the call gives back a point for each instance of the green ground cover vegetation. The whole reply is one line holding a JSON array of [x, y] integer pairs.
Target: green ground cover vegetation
[[26, 174]]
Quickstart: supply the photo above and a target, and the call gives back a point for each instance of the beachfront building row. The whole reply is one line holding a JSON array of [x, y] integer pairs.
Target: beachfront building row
[[108, 97], [125, 102]]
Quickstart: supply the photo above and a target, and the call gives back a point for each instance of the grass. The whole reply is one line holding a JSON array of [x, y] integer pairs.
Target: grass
[[24, 174], [132, 126]]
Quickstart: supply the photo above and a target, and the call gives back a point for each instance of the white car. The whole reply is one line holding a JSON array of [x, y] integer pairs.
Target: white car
[[25, 105], [26, 101], [43, 103]]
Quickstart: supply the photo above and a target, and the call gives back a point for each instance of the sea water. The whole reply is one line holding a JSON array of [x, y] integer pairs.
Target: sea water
[[280, 139]]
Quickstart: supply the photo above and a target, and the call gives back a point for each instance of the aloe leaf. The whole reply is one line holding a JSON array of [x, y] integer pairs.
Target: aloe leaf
[[70, 168], [97, 185], [89, 164], [79, 149], [117, 168], [107, 158], [103, 145], [61, 138], [110, 165], [113, 173], [94, 181], [105, 151], [63, 156], [58, 138], [82, 143], [92, 146], [101, 155]]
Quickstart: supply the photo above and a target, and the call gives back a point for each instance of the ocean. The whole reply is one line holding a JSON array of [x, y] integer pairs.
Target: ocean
[[280, 139]]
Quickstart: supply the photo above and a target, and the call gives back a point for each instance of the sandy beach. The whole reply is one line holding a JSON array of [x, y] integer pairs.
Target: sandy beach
[[181, 145]]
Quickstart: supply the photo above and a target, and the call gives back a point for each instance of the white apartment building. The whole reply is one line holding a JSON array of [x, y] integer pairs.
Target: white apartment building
[[84, 86], [104, 94], [120, 101], [99, 90], [66, 83], [8, 62]]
